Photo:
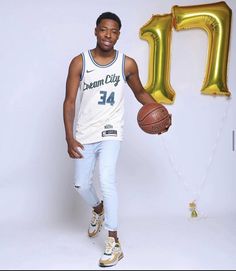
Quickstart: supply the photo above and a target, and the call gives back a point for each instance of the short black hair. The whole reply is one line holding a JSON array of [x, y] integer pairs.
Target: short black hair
[[108, 15]]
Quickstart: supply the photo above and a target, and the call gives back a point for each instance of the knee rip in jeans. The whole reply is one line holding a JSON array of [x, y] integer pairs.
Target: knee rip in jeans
[[81, 188]]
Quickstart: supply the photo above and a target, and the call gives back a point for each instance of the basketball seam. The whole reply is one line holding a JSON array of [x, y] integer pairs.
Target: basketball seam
[[151, 123], [148, 113]]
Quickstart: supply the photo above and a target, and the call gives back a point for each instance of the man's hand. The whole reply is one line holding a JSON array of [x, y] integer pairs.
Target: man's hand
[[74, 148]]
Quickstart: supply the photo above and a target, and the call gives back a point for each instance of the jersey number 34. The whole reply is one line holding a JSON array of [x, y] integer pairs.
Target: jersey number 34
[[106, 99]]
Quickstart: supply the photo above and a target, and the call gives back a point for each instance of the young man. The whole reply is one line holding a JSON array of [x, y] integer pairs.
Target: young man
[[100, 74]]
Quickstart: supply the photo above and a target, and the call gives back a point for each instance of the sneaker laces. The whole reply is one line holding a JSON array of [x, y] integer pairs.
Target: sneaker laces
[[108, 247], [94, 218]]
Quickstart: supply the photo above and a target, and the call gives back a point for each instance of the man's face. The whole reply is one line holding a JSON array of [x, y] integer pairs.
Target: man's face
[[107, 33]]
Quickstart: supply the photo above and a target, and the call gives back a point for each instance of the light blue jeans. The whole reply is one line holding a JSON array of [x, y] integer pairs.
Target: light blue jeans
[[106, 152]]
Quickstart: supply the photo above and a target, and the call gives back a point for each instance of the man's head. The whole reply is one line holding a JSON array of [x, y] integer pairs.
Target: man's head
[[109, 15], [107, 30]]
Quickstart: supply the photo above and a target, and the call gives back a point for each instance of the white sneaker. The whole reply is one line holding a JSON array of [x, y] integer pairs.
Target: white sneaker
[[95, 224], [112, 253]]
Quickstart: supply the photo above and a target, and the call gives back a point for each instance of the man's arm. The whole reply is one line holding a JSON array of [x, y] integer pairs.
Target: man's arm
[[133, 80], [72, 85]]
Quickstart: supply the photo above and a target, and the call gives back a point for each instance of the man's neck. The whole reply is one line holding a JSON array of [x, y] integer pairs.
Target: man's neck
[[107, 54], [103, 57]]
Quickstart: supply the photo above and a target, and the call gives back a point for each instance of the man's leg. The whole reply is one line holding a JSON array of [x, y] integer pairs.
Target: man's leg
[[83, 179], [108, 155], [84, 169]]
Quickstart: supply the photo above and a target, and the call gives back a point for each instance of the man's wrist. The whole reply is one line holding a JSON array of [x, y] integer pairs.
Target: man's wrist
[[69, 138]]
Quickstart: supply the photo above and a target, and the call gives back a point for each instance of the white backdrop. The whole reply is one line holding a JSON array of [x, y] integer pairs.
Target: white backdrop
[[157, 175]]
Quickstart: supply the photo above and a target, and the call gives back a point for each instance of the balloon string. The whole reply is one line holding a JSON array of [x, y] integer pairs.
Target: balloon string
[[173, 165], [204, 178], [196, 194]]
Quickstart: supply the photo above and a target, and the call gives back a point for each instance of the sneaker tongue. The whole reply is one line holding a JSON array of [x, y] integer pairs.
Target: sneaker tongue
[[94, 213], [110, 243]]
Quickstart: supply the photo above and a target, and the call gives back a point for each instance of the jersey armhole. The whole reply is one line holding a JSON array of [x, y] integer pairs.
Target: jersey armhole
[[123, 67], [83, 67]]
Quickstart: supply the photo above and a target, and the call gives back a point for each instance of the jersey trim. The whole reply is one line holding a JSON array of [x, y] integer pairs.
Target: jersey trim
[[83, 67], [103, 66], [123, 67]]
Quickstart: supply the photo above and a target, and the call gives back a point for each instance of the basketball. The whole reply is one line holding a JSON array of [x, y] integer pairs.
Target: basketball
[[154, 118]]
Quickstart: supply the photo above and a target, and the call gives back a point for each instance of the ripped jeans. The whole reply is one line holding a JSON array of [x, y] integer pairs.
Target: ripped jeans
[[106, 152]]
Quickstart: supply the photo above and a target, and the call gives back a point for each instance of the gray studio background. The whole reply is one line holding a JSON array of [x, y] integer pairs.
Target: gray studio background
[[157, 175]]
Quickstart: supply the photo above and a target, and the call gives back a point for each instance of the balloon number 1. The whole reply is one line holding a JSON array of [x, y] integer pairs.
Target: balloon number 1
[[215, 19]]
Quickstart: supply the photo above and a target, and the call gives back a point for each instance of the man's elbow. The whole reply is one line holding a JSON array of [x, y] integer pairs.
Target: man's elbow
[[69, 104]]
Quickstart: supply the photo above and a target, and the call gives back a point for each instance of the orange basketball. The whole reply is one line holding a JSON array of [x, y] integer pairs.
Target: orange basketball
[[154, 118]]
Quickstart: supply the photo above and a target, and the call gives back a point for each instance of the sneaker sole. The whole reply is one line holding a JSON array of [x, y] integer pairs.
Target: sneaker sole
[[109, 265]]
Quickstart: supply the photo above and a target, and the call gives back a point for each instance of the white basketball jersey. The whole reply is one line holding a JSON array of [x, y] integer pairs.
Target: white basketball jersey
[[101, 109]]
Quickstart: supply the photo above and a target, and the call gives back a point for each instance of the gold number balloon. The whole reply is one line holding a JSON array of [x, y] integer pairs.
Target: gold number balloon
[[215, 19], [157, 32]]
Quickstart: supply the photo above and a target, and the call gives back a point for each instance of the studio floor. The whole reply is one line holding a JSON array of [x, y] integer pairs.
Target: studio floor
[[167, 243]]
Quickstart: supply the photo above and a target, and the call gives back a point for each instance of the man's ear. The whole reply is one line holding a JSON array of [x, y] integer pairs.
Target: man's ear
[[95, 31]]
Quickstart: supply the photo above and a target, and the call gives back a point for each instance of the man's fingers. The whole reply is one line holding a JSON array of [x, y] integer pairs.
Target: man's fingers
[[81, 146], [75, 153]]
